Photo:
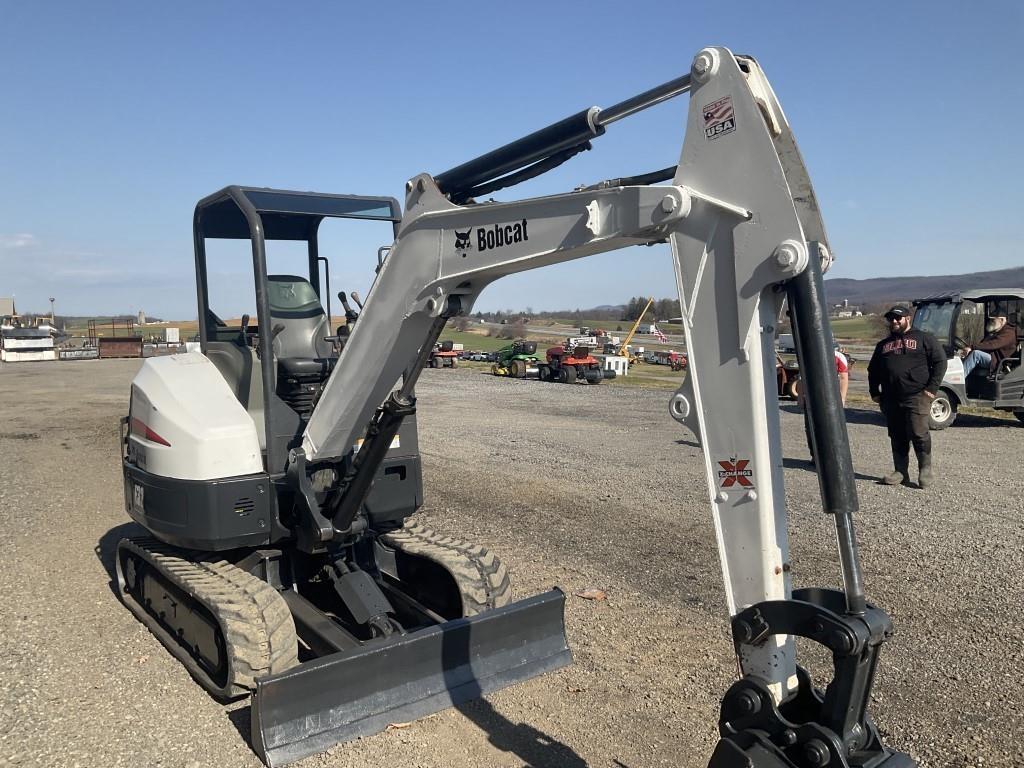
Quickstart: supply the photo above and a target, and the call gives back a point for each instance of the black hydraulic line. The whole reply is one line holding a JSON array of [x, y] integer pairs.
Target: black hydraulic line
[[530, 172], [830, 442], [640, 180], [570, 132]]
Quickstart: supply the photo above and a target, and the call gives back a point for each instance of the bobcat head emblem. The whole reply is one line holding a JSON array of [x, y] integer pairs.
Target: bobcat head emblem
[[462, 241]]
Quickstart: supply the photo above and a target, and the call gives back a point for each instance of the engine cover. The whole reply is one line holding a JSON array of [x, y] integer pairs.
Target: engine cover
[[186, 423]]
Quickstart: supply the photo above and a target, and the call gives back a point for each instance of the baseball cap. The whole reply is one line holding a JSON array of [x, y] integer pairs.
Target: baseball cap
[[897, 312]]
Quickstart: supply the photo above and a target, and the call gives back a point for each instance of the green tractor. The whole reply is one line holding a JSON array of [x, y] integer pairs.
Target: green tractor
[[518, 360]]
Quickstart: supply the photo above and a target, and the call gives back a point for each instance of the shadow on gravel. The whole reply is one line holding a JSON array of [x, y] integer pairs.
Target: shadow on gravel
[[107, 546], [853, 415], [806, 465], [977, 420], [534, 747], [241, 718]]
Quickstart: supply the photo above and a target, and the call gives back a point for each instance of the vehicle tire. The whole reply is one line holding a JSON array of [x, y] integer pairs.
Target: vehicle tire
[[435, 362], [570, 374], [544, 373], [791, 389], [495, 370], [942, 412], [455, 362], [513, 368]]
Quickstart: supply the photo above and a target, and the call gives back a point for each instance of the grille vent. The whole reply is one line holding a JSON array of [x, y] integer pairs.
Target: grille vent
[[244, 506]]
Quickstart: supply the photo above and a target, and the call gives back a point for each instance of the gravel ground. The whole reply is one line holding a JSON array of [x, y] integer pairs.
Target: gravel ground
[[575, 486]]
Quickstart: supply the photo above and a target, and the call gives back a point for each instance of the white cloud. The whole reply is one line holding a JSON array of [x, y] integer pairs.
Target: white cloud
[[18, 241]]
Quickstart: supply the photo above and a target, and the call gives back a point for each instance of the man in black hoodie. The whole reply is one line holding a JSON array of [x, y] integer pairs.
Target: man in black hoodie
[[904, 376]]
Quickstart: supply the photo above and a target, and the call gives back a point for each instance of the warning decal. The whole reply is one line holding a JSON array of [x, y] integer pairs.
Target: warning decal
[[719, 118]]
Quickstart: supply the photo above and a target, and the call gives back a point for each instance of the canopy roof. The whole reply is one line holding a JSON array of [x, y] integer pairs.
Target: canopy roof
[[285, 215]]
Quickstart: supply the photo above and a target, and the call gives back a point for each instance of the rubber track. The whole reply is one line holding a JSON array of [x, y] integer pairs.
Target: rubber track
[[254, 619], [481, 577]]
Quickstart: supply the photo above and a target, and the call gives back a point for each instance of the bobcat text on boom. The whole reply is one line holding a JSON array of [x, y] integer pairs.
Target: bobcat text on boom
[[501, 235]]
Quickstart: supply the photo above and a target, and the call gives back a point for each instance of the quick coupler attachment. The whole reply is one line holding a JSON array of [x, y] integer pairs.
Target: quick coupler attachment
[[340, 697], [811, 729]]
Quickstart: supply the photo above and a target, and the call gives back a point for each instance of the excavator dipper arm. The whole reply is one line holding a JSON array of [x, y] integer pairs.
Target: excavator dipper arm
[[742, 221]]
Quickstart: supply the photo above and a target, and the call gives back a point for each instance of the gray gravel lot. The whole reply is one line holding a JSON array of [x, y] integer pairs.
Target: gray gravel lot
[[575, 486]]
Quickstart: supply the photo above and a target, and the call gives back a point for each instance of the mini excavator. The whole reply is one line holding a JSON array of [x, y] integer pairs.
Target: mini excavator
[[278, 479]]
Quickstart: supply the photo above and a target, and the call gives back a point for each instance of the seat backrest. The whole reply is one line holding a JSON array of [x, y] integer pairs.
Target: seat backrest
[[295, 305]]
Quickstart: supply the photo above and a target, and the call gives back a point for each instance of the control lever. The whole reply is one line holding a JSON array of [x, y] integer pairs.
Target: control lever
[[243, 335], [350, 314], [356, 299]]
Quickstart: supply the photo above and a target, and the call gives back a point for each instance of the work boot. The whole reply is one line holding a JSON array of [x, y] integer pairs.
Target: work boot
[[924, 469], [901, 473]]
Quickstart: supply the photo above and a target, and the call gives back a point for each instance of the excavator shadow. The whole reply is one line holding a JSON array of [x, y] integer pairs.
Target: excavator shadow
[[534, 747], [106, 548]]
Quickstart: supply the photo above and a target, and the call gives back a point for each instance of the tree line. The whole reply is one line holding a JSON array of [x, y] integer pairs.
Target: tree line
[[661, 309]]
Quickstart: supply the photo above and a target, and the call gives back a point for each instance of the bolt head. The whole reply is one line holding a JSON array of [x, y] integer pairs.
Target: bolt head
[[816, 753], [705, 64], [785, 256], [668, 204], [748, 703]]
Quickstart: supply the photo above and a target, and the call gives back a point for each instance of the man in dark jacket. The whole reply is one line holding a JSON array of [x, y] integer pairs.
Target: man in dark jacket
[[904, 376], [999, 343]]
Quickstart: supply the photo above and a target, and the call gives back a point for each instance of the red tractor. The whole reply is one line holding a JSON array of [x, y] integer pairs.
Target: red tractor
[[444, 355], [567, 366]]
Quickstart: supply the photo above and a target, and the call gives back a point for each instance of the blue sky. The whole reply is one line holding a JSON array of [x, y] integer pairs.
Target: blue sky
[[118, 117]]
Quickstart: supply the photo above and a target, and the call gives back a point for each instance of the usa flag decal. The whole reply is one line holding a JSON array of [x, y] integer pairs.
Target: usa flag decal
[[719, 118]]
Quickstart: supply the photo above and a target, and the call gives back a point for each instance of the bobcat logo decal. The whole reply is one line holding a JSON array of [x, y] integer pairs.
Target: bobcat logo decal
[[462, 240]]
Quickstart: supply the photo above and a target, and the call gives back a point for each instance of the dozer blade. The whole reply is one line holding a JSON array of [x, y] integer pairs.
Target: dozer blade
[[309, 708]]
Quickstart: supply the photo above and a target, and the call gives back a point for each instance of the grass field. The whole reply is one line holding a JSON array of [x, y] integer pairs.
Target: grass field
[[867, 328]]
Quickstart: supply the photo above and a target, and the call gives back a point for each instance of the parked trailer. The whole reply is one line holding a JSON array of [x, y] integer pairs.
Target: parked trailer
[[121, 346]]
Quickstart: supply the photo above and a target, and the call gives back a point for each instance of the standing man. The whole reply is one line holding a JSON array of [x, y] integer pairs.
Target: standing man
[[904, 376]]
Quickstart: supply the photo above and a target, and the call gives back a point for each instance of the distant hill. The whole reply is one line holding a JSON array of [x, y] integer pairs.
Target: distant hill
[[883, 290]]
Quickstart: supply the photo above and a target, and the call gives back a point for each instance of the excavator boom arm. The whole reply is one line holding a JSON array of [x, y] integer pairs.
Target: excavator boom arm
[[728, 215], [742, 221]]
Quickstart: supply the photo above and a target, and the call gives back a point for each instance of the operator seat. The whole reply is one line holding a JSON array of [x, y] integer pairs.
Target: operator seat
[[300, 346], [304, 357]]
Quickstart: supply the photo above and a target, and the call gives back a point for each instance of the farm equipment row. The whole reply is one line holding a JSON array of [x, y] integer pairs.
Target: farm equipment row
[[564, 364]]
